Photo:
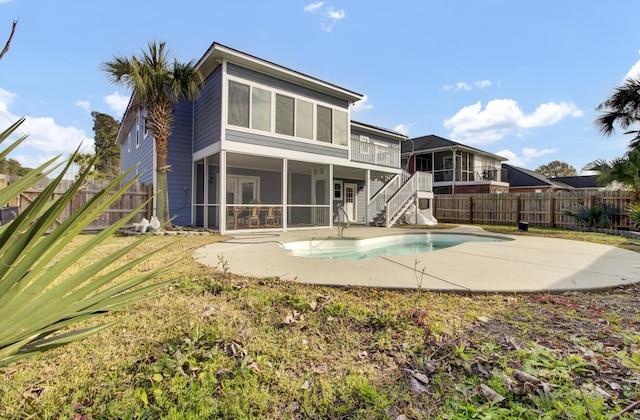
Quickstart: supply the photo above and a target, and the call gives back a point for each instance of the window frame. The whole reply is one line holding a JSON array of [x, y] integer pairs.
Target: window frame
[[315, 104]]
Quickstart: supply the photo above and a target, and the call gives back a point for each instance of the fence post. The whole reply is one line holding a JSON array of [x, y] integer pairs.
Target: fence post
[[552, 211], [470, 210], [518, 208]]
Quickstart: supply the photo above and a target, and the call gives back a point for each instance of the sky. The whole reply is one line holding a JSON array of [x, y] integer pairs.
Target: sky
[[521, 79]]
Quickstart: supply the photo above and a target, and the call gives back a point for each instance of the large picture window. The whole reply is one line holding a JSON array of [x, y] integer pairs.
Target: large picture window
[[340, 128], [260, 109], [255, 108], [238, 104], [304, 119], [284, 115], [324, 124]]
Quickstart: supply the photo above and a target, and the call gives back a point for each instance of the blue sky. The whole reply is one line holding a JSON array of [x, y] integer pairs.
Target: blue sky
[[519, 79]]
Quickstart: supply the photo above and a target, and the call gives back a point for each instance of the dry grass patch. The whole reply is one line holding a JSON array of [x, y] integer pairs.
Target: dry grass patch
[[218, 345]]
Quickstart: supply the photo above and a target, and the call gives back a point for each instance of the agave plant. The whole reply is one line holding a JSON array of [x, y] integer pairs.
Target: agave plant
[[40, 300]]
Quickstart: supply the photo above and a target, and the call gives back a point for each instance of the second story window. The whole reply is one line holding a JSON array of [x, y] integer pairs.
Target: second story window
[[238, 112], [255, 108], [284, 115], [260, 109], [324, 124], [304, 119]]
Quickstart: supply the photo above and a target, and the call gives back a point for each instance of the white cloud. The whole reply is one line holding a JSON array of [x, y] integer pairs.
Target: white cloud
[[527, 154], [480, 84], [117, 103], [336, 14], [84, 105], [634, 71], [500, 117], [6, 99], [330, 15], [549, 114], [403, 128], [313, 6], [361, 105], [45, 138]]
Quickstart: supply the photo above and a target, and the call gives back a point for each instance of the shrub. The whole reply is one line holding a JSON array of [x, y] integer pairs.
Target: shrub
[[599, 216], [39, 298]]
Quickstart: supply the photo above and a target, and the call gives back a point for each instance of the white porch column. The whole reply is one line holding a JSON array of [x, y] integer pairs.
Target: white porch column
[[285, 192], [367, 191], [223, 192], [330, 186]]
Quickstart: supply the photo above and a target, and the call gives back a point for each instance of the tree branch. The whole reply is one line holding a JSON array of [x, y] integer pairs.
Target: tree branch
[[6, 46]]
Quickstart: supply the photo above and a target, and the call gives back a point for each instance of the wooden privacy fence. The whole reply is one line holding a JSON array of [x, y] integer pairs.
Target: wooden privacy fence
[[127, 203], [538, 209]]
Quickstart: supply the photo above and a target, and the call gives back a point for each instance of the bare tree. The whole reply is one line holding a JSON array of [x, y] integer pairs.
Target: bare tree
[[8, 44]]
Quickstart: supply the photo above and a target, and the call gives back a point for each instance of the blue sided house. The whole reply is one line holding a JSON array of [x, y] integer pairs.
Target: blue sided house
[[265, 147]]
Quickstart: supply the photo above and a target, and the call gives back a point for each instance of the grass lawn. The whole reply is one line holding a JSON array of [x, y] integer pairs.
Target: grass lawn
[[215, 345]]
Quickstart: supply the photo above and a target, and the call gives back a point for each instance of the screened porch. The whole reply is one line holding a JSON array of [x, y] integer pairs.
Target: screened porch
[[251, 193]]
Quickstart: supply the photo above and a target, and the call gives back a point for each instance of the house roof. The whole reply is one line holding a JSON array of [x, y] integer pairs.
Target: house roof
[[217, 53], [580, 181], [373, 128], [521, 177], [433, 143]]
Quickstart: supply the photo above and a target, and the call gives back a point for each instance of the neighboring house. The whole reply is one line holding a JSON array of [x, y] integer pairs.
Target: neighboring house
[[267, 147], [581, 182], [456, 168], [523, 180]]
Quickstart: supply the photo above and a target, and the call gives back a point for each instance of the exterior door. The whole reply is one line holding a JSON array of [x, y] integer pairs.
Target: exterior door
[[241, 190], [350, 201]]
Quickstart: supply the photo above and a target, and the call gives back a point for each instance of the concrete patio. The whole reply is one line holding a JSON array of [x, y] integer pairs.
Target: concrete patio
[[524, 264]]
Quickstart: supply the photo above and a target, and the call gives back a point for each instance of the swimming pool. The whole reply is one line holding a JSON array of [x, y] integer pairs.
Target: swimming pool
[[364, 249]]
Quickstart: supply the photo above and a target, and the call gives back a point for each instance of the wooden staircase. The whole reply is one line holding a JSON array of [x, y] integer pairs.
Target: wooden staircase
[[396, 196]]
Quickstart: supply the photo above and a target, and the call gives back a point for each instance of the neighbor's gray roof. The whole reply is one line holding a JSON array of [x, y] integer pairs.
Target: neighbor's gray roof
[[521, 177], [433, 142], [580, 181]]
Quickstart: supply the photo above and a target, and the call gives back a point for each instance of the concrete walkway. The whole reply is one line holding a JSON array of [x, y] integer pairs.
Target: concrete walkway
[[524, 264]]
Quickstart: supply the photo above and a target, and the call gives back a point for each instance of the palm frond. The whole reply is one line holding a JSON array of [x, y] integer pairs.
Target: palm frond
[[39, 301]]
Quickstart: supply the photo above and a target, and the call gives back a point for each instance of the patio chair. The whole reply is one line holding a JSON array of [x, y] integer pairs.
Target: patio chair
[[254, 218], [272, 218]]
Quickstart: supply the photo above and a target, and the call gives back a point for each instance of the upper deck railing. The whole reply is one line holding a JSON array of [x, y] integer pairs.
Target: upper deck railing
[[372, 153]]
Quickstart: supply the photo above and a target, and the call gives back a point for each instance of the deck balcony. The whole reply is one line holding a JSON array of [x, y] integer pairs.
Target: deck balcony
[[375, 154]]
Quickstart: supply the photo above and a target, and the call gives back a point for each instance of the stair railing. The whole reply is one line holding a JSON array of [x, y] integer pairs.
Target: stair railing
[[346, 217], [419, 181], [379, 200]]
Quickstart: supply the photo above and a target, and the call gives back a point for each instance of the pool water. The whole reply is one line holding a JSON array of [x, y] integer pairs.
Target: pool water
[[364, 249]]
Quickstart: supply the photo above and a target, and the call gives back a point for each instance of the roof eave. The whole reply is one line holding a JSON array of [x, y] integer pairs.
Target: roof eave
[[217, 53], [380, 130]]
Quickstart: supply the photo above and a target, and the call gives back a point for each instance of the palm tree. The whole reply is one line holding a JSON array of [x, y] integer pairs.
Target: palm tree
[[625, 169], [158, 84], [622, 109]]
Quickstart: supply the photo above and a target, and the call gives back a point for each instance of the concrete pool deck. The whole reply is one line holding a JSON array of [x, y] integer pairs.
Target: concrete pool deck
[[524, 264]]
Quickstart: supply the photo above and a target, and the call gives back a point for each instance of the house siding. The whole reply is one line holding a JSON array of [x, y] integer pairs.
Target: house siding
[[285, 144], [208, 112], [181, 161], [142, 155], [253, 76], [356, 133]]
